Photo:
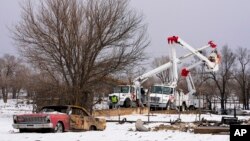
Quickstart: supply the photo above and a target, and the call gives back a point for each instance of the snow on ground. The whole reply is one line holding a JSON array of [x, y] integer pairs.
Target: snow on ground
[[113, 132], [14, 107]]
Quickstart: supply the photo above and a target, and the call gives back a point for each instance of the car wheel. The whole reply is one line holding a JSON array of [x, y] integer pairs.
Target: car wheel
[[59, 128], [92, 128], [22, 130]]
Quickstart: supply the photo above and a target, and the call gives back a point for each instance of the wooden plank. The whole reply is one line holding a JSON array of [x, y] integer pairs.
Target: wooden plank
[[121, 111], [210, 130]]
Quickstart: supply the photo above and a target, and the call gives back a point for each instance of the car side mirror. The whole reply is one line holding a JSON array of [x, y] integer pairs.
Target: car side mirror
[[70, 112]]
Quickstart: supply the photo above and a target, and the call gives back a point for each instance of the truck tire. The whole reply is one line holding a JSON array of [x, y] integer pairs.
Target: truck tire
[[183, 107], [127, 103], [110, 106], [191, 107]]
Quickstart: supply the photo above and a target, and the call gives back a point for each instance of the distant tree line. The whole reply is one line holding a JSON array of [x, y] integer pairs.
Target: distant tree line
[[231, 81]]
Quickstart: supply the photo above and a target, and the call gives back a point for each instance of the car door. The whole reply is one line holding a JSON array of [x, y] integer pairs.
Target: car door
[[77, 121]]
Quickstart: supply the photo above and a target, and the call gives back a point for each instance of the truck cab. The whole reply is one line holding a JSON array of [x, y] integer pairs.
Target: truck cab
[[125, 95], [165, 96], [161, 96]]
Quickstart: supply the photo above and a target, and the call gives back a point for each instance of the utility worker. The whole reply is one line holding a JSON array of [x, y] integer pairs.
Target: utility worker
[[114, 100]]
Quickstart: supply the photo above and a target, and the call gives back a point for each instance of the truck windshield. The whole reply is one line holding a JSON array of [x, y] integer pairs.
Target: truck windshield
[[121, 89], [161, 90]]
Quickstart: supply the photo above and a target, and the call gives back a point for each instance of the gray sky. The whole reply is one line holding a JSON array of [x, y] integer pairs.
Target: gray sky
[[195, 21], [9, 14]]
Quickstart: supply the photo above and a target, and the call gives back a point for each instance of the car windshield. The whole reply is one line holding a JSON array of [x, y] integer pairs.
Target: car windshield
[[61, 109], [121, 89], [161, 90]]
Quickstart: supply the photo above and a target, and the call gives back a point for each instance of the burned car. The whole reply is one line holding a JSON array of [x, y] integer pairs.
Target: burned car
[[58, 119]]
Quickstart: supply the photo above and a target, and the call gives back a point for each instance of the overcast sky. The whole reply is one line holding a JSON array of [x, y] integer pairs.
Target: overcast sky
[[195, 21]]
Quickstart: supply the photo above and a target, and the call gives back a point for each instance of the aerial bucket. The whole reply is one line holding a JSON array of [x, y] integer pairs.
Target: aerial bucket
[[215, 60]]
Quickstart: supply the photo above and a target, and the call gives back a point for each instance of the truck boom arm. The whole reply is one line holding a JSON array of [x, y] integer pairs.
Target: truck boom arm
[[179, 60], [212, 65]]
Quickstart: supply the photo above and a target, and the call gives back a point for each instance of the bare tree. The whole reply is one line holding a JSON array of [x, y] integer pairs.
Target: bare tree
[[164, 75], [248, 85], [243, 56], [19, 80], [225, 74], [80, 42], [8, 67]]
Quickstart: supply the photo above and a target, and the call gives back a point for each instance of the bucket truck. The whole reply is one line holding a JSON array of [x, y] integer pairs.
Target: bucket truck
[[164, 94]]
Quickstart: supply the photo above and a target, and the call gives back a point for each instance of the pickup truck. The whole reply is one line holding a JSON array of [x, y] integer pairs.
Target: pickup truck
[[58, 119]]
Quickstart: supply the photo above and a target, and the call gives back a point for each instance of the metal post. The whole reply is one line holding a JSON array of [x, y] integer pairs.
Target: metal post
[[119, 108], [148, 107], [199, 106], [234, 111], [179, 104], [119, 116]]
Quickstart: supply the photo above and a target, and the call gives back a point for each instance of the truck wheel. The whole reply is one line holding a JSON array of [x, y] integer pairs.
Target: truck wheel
[[59, 128], [183, 107], [127, 103], [110, 106], [191, 107]]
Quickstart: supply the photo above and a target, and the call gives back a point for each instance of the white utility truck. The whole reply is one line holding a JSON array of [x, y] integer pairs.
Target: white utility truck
[[164, 95]]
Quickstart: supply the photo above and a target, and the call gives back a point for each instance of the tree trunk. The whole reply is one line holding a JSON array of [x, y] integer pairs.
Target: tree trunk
[[87, 101], [5, 95], [222, 103], [209, 103], [225, 102], [244, 102], [29, 93], [247, 101], [14, 92], [248, 96]]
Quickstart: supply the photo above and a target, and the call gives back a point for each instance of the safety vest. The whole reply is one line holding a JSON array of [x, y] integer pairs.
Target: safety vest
[[114, 99]]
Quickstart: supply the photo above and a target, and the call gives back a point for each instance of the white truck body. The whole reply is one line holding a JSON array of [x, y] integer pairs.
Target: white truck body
[[161, 99], [190, 101]]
